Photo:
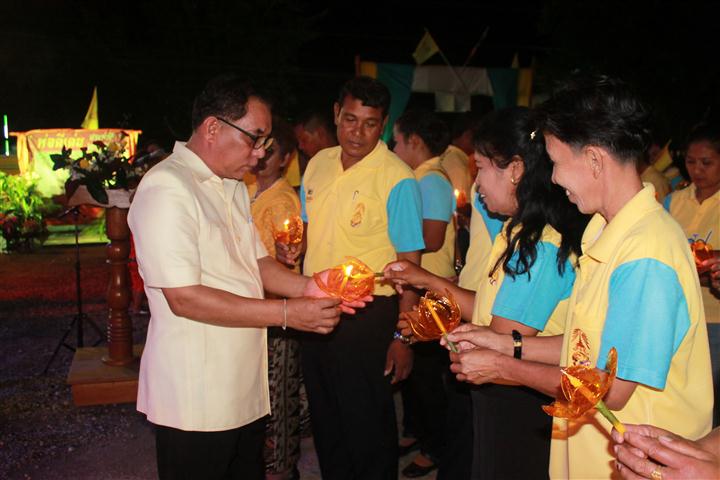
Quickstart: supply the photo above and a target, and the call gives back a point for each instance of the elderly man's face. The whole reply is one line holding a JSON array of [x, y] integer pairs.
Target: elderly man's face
[[237, 153]]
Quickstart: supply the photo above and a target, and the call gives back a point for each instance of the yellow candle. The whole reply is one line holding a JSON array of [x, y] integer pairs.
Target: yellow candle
[[429, 304]]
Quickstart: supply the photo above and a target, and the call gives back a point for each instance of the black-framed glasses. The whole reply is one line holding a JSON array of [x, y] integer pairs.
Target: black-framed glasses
[[258, 141]]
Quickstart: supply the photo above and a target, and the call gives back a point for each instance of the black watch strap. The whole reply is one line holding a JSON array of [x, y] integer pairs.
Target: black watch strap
[[517, 344]]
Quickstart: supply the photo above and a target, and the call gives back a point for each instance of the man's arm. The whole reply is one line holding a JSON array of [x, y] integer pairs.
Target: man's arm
[[280, 280], [218, 307]]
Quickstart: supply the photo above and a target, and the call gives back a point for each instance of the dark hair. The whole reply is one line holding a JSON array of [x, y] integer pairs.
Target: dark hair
[[600, 111], [369, 91], [426, 125], [311, 120], [225, 96], [284, 137], [509, 134], [705, 132]]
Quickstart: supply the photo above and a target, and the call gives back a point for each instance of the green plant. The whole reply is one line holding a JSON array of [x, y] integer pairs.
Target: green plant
[[106, 166], [21, 211]]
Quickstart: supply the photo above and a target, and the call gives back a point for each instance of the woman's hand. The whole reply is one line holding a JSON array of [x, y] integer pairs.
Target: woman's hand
[[403, 272], [469, 337]]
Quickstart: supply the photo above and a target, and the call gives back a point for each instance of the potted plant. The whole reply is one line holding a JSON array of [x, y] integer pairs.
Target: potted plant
[[101, 170], [22, 225]]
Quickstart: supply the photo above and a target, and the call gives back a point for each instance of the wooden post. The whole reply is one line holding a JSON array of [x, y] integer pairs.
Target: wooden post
[[119, 332]]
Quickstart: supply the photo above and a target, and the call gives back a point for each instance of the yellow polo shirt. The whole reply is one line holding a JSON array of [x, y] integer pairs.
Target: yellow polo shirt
[[537, 298], [371, 211], [456, 163], [636, 290], [661, 184], [191, 227], [483, 229], [438, 203], [698, 221], [269, 209]]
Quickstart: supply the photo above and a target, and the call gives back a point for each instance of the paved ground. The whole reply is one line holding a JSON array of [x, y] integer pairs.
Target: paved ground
[[42, 435]]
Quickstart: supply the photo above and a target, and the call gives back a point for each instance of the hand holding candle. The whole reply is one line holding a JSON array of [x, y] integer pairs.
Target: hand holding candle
[[290, 232], [583, 388]]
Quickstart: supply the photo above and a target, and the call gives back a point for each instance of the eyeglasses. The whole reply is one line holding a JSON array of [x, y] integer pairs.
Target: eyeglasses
[[259, 141]]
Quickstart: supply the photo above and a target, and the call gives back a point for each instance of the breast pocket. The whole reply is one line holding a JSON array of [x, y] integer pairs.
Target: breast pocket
[[362, 214], [215, 248]]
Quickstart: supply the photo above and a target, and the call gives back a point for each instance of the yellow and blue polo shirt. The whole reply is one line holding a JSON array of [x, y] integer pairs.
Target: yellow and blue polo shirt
[[698, 221], [636, 290], [438, 203], [483, 230], [371, 211], [538, 298], [456, 163]]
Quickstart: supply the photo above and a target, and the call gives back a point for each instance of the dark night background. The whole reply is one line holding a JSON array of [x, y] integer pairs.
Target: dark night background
[[149, 58]]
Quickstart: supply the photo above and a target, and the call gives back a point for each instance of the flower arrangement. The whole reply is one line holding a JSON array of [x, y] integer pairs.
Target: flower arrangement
[[21, 217], [106, 166]]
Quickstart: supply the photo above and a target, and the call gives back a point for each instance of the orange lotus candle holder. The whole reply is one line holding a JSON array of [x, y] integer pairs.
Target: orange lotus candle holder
[[350, 281], [583, 388], [437, 315], [290, 232], [701, 251]]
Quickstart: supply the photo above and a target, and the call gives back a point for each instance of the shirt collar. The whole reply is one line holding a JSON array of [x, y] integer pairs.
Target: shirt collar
[[601, 238], [196, 165], [372, 160]]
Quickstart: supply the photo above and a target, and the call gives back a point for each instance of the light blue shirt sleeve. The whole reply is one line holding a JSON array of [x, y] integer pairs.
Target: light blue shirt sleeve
[[438, 201], [666, 201], [493, 225], [646, 321], [404, 211], [303, 212], [531, 299]]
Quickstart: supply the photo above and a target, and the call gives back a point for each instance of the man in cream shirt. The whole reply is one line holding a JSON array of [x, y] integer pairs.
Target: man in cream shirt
[[203, 375]]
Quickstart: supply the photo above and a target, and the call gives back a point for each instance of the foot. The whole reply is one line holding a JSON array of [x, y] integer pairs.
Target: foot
[[407, 445], [420, 466]]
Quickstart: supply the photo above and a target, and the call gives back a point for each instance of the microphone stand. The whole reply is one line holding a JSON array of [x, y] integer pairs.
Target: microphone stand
[[81, 317]]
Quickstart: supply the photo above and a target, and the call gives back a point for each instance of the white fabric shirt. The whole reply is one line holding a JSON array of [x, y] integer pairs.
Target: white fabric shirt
[[191, 227]]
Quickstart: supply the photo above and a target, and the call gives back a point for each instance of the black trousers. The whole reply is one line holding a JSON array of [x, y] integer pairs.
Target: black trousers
[[229, 454], [424, 394], [351, 403], [456, 460], [512, 433]]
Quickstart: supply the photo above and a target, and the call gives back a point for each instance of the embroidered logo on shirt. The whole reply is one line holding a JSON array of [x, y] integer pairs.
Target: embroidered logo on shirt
[[580, 347], [308, 195], [357, 216]]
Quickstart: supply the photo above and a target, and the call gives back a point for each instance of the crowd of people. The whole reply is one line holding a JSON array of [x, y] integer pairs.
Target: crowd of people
[[578, 244]]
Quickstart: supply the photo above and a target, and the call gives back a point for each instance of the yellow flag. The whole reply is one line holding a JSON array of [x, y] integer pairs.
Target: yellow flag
[[664, 160], [91, 117], [425, 49]]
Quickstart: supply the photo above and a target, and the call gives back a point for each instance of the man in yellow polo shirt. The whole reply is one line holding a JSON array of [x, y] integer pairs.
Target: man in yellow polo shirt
[[636, 289], [203, 375], [359, 200]]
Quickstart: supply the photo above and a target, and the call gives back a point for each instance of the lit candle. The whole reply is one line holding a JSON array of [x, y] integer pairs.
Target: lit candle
[[348, 271]]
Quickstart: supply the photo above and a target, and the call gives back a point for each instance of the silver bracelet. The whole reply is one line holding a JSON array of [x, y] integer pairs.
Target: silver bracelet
[[284, 325]]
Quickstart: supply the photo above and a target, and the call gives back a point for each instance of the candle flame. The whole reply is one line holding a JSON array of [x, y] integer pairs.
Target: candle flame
[[348, 270], [286, 224], [456, 193]]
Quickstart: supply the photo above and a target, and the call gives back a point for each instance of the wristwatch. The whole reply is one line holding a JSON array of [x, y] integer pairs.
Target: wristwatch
[[517, 344], [399, 336]]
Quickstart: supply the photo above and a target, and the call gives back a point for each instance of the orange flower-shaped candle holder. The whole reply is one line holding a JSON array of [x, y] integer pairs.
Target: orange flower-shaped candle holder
[[437, 314], [350, 281], [290, 232], [583, 388], [701, 251]]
